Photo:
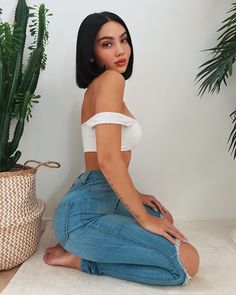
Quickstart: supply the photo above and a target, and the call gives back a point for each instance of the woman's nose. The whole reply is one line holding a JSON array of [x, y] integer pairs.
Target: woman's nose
[[119, 49]]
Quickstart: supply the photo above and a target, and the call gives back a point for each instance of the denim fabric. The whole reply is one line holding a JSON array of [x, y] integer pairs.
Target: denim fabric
[[92, 223]]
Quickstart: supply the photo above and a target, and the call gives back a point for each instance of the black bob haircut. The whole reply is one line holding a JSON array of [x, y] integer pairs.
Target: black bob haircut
[[86, 70]]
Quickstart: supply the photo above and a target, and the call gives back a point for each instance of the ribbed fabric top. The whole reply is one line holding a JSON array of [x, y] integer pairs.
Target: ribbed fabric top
[[131, 131]]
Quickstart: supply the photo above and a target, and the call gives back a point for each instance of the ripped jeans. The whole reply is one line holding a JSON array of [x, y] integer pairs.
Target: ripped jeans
[[92, 223]]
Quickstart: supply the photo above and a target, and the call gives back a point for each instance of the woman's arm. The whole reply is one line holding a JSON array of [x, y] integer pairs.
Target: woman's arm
[[108, 97], [116, 173]]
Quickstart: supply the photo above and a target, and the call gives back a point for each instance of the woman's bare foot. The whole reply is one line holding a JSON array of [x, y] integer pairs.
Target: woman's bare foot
[[57, 255]]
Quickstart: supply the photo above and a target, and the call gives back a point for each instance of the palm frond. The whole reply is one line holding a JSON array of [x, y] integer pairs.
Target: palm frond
[[232, 136], [220, 66], [224, 55]]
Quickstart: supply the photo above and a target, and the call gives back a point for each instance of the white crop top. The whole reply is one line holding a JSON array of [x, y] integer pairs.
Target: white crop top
[[131, 131]]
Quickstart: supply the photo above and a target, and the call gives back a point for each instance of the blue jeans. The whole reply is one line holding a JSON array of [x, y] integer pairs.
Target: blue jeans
[[92, 223]]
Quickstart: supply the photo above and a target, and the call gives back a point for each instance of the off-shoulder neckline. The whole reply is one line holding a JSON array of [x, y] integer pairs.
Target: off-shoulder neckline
[[132, 118]]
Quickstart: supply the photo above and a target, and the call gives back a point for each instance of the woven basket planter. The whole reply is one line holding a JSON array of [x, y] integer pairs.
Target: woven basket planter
[[20, 214]]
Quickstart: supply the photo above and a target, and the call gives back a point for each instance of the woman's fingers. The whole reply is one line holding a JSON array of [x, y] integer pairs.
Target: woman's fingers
[[159, 205], [176, 233], [155, 206], [182, 235], [168, 237], [160, 208], [161, 227], [164, 208], [151, 205]]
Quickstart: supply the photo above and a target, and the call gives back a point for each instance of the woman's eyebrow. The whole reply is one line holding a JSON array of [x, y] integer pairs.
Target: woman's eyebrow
[[109, 37]]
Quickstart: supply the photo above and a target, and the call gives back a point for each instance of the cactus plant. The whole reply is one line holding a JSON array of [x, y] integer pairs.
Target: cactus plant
[[17, 85]]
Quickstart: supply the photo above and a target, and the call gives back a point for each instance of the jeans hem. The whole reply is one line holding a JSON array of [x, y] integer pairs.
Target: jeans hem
[[188, 277], [83, 266]]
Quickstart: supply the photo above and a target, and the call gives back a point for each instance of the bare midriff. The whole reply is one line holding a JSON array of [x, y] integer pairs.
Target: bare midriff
[[91, 162]]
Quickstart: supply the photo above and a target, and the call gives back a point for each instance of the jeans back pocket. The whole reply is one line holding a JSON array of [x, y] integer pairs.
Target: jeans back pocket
[[100, 203]]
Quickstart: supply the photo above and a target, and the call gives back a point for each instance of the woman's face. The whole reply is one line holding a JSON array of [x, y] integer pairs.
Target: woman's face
[[111, 46]]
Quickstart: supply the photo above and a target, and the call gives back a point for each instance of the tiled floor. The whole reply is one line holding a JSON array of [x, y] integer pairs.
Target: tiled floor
[[6, 276]]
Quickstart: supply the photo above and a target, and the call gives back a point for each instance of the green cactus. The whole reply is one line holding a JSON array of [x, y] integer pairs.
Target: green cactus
[[17, 87]]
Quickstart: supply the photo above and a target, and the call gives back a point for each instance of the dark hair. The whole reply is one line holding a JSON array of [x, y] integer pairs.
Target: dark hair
[[86, 70]]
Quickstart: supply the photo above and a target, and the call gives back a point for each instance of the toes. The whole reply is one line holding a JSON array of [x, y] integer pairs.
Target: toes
[[47, 255], [53, 248], [45, 258], [49, 249]]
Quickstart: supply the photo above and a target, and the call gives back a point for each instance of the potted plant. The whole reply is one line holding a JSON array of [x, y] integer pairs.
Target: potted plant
[[220, 67], [20, 210]]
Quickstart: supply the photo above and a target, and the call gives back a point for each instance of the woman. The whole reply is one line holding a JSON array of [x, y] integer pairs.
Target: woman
[[104, 226]]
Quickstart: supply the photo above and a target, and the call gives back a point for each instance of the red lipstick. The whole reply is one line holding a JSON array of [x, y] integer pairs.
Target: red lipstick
[[121, 62]]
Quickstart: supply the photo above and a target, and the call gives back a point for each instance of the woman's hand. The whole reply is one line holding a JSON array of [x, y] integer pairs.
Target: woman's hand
[[152, 202], [161, 227]]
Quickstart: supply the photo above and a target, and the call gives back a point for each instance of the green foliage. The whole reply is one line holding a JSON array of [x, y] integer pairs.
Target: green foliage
[[17, 87], [220, 66]]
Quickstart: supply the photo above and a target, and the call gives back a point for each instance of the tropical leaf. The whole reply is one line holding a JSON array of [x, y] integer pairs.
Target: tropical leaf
[[224, 57], [232, 136], [220, 66]]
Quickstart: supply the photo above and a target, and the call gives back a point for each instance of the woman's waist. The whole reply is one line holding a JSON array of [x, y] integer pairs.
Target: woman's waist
[[88, 184], [89, 181], [91, 161]]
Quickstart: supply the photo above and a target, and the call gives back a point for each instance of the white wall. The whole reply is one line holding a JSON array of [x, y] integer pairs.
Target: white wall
[[183, 158]]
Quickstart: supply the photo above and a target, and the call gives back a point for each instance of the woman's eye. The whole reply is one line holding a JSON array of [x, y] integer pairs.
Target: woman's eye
[[106, 44], [109, 43]]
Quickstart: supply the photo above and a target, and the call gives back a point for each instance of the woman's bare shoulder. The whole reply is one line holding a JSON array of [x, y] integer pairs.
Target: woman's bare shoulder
[[109, 77], [108, 89]]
